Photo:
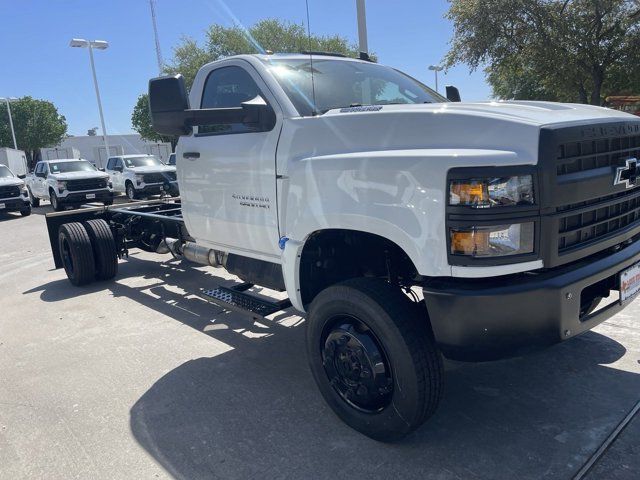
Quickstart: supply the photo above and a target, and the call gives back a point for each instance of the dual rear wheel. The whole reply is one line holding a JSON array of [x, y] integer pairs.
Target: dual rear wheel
[[88, 251]]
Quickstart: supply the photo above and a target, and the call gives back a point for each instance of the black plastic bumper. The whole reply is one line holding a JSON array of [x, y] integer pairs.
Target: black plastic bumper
[[15, 204], [488, 319], [78, 198], [158, 189]]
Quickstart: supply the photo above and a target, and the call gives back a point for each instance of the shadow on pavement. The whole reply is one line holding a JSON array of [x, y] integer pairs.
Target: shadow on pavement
[[255, 411]]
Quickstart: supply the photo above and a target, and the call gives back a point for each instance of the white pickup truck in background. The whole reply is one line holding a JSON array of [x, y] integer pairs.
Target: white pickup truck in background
[[68, 182], [13, 194], [406, 227], [139, 176]]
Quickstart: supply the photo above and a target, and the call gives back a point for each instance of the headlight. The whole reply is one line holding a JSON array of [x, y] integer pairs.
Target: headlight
[[61, 185], [492, 192], [24, 191], [140, 178], [493, 241]]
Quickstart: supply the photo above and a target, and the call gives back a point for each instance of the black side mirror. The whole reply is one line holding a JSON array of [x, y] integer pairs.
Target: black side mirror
[[171, 115], [168, 102], [453, 94]]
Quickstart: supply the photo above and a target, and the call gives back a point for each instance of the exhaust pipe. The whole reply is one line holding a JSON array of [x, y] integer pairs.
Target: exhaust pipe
[[193, 252]]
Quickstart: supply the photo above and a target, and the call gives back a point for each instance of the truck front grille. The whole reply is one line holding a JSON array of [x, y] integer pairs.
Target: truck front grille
[[586, 206], [10, 192], [585, 223], [87, 184], [159, 177], [585, 155]]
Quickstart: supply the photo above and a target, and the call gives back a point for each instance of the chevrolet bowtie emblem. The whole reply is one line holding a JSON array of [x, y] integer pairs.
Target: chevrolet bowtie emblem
[[628, 175]]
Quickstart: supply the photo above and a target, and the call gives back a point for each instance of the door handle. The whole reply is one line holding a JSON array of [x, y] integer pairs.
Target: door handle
[[191, 155]]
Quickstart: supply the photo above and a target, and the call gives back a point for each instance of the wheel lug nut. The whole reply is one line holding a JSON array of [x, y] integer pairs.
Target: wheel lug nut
[[362, 390], [365, 373]]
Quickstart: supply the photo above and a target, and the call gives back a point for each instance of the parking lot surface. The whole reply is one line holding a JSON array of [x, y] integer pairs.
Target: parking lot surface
[[141, 378]]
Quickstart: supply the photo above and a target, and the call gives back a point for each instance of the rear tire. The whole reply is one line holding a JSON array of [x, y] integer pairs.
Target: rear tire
[[363, 322], [77, 253], [105, 253], [35, 202]]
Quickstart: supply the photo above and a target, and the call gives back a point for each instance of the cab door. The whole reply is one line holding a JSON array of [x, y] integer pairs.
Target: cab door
[[227, 173], [39, 182], [114, 169]]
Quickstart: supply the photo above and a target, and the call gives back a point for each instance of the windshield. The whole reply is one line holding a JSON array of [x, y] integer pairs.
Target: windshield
[[5, 172], [66, 167], [340, 83], [145, 161]]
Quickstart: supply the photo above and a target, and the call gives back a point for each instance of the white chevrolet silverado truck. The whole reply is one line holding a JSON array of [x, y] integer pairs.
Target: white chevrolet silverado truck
[[13, 194], [405, 226], [68, 182], [139, 176]]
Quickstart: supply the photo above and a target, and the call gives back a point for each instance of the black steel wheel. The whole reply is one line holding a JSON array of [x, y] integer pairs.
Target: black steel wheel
[[77, 253], [104, 248], [373, 357], [356, 364]]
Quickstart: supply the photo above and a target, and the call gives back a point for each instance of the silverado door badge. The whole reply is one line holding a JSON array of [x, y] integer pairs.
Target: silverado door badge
[[628, 175]]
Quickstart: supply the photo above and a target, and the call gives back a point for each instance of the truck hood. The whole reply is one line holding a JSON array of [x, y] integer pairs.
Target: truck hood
[[528, 112], [78, 175], [10, 182], [156, 169]]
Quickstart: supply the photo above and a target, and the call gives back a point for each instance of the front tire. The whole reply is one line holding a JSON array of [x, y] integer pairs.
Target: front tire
[[26, 211], [373, 357], [55, 201], [131, 191], [77, 253]]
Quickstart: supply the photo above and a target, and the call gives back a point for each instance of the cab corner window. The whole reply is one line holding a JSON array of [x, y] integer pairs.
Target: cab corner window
[[228, 87]]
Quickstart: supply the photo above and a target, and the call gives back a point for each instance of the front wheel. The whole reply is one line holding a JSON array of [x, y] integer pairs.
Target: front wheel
[[373, 357], [26, 211], [131, 191], [55, 201]]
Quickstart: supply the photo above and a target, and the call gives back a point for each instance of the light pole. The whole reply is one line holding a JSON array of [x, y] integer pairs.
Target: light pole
[[13, 133], [155, 35], [100, 45], [436, 69]]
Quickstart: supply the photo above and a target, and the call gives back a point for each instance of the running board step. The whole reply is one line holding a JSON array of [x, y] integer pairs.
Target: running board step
[[234, 298]]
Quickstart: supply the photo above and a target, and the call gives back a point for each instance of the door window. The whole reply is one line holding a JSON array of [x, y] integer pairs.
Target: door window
[[110, 163], [228, 87]]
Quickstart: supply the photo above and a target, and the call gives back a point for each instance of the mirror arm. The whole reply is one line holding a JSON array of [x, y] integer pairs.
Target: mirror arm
[[214, 116]]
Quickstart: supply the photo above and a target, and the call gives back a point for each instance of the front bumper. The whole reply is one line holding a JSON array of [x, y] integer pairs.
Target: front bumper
[[76, 198], [488, 319], [158, 188], [14, 204]]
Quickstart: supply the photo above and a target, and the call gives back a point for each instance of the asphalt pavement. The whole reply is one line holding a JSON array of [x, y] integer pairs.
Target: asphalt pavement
[[142, 378]]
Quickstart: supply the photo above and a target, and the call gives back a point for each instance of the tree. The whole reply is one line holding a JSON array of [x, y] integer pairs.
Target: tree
[[141, 122], [562, 50], [266, 35], [37, 124]]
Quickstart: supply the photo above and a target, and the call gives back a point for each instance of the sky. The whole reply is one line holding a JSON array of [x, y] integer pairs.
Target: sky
[[37, 60]]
